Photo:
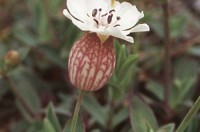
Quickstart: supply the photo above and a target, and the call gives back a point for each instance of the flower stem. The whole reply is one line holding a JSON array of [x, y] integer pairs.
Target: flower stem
[[189, 116], [76, 112]]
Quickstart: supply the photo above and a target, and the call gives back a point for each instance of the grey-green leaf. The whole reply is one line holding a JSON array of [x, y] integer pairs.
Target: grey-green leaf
[[53, 118], [142, 117], [79, 126]]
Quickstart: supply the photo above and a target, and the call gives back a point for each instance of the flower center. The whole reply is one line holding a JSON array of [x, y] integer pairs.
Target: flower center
[[107, 19]]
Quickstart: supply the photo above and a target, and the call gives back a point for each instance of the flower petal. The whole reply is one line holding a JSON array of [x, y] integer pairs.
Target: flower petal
[[79, 24], [129, 15], [113, 32], [77, 8], [140, 28]]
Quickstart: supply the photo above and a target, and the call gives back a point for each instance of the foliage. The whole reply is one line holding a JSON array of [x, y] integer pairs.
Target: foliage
[[35, 92]]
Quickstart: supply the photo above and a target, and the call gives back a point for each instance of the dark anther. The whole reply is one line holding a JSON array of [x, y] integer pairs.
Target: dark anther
[[109, 20], [94, 12], [104, 15], [111, 11], [96, 21], [117, 25], [100, 9], [118, 18]]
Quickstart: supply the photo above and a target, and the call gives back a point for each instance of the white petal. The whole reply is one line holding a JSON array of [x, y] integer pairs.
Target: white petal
[[113, 32], [66, 13], [140, 28], [82, 26], [77, 8], [129, 15]]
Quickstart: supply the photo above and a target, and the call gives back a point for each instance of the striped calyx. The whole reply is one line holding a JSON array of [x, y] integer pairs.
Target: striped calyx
[[91, 63]]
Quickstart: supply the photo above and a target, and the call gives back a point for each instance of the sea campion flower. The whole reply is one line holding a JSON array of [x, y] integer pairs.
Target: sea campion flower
[[92, 58]]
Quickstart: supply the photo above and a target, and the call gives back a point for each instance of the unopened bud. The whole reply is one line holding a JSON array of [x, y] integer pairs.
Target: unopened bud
[[12, 57], [91, 63]]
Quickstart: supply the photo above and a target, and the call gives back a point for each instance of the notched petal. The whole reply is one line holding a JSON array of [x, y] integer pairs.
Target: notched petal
[[140, 28]]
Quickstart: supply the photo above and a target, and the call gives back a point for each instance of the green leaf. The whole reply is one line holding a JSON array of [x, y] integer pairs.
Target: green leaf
[[25, 89], [167, 128], [36, 126], [25, 37], [119, 117], [53, 118], [127, 65], [80, 125], [156, 88], [48, 127], [92, 106], [23, 52], [53, 55], [54, 6], [121, 55], [179, 93], [177, 26], [142, 117], [40, 18]]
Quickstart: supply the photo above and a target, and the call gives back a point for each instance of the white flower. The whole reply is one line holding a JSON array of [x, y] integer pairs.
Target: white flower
[[105, 17]]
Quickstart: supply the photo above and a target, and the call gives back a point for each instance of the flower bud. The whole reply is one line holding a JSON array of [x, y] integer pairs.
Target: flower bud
[[91, 63], [12, 57]]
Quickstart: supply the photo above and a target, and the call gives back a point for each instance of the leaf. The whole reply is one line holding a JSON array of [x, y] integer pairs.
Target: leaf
[[177, 26], [25, 89], [167, 128], [48, 127], [53, 118], [92, 106], [156, 88], [185, 68], [23, 52], [65, 106], [53, 55], [79, 126], [119, 117], [179, 93], [40, 18], [25, 36], [129, 63], [19, 126], [142, 117], [36, 126], [121, 55], [54, 6]]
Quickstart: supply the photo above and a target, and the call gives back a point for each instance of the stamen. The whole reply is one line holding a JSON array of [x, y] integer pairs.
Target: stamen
[[100, 9], [109, 20], [88, 15], [94, 12], [117, 25], [118, 18], [96, 22], [111, 11], [104, 15]]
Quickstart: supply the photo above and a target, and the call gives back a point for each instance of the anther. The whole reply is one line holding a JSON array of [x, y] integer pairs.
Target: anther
[[111, 11], [96, 21], [94, 12], [104, 15], [100, 9], [109, 20], [118, 18], [117, 25]]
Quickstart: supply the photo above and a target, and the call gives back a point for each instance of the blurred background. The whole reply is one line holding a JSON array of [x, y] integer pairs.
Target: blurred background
[[156, 80]]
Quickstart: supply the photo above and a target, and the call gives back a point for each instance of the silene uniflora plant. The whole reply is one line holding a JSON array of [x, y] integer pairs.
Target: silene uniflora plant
[[92, 58]]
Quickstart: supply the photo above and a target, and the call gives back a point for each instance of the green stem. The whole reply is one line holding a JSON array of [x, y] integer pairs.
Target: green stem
[[76, 112], [189, 116]]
